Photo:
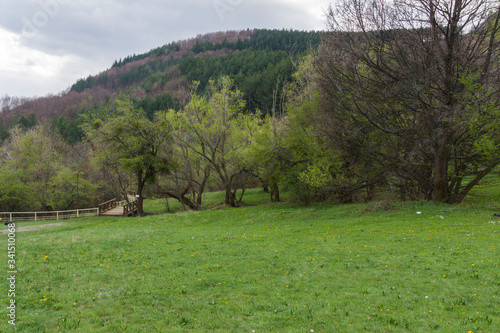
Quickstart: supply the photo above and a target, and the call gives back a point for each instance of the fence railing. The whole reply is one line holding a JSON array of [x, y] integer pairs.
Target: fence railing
[[43, 216]]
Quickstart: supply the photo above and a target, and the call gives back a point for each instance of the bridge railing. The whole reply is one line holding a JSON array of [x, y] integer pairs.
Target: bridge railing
[[130, 208], [105, 206], [121, 203]]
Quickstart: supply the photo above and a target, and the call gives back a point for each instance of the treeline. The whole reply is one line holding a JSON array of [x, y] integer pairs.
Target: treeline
[[136, 75], [291, 41], [211, 143], [157, 52], [363, 115], [38, 171], [257, 74], [151, 105], [39, 161], [261, 66], [69, 128], [22, 122]]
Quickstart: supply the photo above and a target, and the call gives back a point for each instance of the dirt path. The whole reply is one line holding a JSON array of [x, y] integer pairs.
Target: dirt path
[[32, 227]]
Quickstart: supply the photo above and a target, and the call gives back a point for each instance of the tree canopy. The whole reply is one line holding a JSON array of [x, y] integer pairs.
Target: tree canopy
[[412, 87], [130, 141], [401, 96]]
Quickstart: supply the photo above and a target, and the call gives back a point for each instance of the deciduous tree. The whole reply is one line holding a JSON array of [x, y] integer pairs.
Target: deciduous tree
[[215, 128], [132, 142], [415, 84]]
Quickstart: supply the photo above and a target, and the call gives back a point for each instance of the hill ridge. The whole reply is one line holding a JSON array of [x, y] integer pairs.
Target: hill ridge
[[165, 72]]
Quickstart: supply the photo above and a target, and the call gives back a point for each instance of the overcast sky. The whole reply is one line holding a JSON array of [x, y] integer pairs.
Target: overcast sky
[[46, 45]]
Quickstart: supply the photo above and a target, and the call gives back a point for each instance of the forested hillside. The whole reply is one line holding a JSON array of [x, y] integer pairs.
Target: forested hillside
[[43, 139], [260, 62], [410, 112]]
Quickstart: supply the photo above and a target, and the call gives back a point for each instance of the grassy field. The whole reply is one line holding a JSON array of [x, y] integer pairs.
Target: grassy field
[[404, 267]]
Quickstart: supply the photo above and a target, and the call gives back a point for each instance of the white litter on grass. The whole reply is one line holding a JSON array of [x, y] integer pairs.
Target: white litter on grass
[[419, 213]]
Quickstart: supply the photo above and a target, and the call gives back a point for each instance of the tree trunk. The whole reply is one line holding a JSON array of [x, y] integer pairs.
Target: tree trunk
[[241, 196], [370, 192], [167, 205], [440, 182], [227, 181], [265, 184], [202, 186], [185, 201], [275, 193], [230, 197], [140, 201], [402, 190], [473, 183]]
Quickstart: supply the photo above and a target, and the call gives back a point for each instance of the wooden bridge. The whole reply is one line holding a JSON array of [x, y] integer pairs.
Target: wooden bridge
[[115, 208]]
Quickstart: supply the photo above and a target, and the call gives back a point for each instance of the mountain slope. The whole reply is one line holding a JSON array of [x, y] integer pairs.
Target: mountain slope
[[259, 61]]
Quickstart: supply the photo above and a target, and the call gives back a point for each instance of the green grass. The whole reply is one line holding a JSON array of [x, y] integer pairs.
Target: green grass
[[268, 268], [26, 223]]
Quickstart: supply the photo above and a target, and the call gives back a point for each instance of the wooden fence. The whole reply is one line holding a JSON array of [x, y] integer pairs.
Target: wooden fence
[[43, 216], [55, 215]]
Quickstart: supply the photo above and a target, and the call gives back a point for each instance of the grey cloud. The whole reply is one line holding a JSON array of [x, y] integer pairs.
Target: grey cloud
[[102, 31]]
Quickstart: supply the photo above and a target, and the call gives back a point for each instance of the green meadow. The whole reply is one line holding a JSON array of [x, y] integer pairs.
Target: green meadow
[[284, 267]]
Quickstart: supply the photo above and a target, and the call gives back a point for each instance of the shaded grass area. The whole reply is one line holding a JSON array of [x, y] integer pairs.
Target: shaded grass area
[[269, 268], [211, 200], [486, 194]]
